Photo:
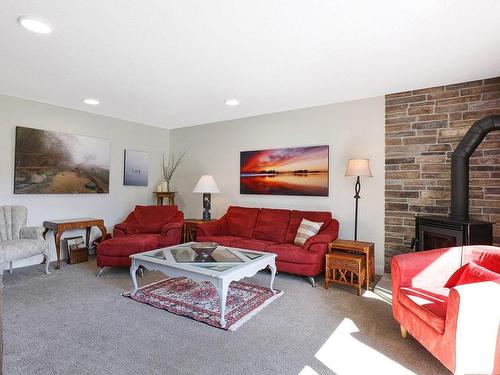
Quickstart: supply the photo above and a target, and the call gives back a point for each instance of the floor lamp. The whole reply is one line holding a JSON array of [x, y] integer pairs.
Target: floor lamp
[[206, 185], [358, 168]]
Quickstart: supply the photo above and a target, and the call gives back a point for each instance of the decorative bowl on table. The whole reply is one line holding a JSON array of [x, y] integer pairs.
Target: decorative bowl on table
[[204, 249]]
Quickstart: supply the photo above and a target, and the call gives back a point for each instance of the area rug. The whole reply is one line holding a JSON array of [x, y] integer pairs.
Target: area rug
[[200, 301]]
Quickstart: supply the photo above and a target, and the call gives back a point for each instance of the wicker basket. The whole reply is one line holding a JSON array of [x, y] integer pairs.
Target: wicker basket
[[78, 256]]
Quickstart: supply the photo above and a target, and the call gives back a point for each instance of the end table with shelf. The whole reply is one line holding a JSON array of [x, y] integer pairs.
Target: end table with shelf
[[190, 225], [362, 247], [161, 195]]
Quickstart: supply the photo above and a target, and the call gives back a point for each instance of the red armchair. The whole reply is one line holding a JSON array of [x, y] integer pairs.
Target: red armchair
[[274, 231], [145, 228], [458, 324]]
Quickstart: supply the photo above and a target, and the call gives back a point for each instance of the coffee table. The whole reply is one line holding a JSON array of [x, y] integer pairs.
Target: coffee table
[[225, 264]]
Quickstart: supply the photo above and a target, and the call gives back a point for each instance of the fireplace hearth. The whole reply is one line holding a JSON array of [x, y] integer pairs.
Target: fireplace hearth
[[434, 232]]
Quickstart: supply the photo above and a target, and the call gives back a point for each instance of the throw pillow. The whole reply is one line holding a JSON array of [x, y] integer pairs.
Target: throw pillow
[[306, 229], [474, 273], [453, 280]]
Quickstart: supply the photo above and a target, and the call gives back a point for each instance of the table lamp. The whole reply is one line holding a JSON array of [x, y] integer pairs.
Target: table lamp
[[206, 185], [358, 168]]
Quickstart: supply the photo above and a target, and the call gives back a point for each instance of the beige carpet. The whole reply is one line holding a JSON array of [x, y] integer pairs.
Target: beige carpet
[[73, 323]]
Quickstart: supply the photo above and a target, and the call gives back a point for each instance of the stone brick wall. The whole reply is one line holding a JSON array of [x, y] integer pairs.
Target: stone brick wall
[[423, 127]]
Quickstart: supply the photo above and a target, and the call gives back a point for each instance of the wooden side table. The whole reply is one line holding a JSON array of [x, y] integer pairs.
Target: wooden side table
[[366, 248], [60, 226], [189, 230], [170, 196], [342, 266]]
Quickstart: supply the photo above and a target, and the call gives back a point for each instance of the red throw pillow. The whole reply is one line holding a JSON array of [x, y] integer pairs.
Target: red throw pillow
[[474, 273], [453, 280]]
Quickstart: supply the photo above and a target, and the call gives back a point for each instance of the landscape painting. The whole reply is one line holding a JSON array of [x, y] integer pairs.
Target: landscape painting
[[48, 162], [135, 168], [285, 171]]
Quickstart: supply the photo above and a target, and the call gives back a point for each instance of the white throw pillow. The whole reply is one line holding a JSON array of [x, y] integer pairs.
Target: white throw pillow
[[306, 229]]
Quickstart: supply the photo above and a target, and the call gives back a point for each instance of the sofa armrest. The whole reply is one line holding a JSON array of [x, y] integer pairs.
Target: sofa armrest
[[474, 309], [31, 233], [425, 268], [327, 235], [124, 229], [175, 224], [213, 228]]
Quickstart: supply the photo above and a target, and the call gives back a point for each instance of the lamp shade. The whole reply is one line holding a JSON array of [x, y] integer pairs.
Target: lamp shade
[[358, 167], [206, 184]]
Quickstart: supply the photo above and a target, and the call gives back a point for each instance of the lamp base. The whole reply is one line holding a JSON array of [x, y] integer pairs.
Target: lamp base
[[207, 205]]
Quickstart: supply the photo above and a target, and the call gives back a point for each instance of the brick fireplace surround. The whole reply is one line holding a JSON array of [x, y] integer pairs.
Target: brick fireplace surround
[[422, 128]]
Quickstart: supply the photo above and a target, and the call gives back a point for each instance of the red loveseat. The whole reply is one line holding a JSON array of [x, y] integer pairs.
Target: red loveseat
[[145, 228], [273, 231], [458, 323]]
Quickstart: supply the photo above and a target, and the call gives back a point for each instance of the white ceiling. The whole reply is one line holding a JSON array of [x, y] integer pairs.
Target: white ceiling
[[173, 63]]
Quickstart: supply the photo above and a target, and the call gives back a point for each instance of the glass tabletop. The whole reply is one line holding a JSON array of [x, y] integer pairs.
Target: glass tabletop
[[221, 259]]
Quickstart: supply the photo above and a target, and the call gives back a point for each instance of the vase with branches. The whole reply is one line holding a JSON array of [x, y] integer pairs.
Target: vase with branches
[[171, 165]]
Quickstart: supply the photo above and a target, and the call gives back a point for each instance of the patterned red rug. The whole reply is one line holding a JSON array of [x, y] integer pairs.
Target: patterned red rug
[[200, 301]]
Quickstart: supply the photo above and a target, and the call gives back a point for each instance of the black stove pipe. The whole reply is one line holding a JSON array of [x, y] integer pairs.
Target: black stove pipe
[[460, 165]]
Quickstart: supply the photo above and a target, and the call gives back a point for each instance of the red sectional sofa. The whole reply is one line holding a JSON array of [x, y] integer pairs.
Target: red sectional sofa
[[145, 228], [457, 320], [273, 230]]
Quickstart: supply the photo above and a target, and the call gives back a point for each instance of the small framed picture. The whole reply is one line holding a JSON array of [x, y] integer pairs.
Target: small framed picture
[[75, 243], [135, 168]]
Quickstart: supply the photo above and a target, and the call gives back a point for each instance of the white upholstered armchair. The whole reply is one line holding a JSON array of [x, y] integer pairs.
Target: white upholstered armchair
[[18, 241]]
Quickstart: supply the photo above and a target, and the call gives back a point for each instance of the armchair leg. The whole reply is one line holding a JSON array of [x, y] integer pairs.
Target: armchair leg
[[101, 271], [11, 270], [47, 263], [404, 332], [311, 281]]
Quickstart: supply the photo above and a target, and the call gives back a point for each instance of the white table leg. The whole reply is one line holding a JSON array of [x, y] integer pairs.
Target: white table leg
[[272, 266], [133, 270], [222, 289]]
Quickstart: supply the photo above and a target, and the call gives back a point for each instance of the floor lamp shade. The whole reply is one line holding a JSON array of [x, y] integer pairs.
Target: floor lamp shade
[[206, 185], [358, 168]]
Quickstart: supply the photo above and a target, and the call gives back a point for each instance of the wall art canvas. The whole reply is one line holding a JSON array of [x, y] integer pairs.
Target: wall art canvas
[[285, 171], [136, 165], [49, 162]]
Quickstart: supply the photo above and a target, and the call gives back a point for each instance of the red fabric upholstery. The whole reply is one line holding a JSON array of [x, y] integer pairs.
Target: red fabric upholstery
[[116, 251], [296, 218], [268, 229], [241, 221], [145, 228], [151, 219], [252, 244], [474, 273], [271, 225], [426, 303]]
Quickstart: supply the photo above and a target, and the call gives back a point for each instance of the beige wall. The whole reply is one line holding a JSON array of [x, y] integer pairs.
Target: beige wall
[[352, 129], [122, 134]]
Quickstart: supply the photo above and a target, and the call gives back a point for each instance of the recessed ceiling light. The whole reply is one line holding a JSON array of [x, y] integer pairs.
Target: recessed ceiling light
[[232, 102], [35, 24], [91, 101]]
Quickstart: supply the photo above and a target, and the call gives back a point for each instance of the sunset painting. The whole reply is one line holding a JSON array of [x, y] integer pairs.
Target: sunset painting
[[285, 171], [48, 162]]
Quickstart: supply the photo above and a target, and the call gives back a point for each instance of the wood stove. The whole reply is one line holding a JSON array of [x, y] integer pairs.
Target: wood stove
[[434, 232]]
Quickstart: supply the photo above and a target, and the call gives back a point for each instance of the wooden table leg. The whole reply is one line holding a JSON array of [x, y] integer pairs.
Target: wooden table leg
[[367, 260], [57, 240], [87, 237]]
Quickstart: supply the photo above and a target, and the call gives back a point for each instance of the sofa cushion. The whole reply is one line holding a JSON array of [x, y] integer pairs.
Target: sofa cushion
[[271, 225], [428, 304], [295, 254], [152, 218], [125, 246], [241, 221], [252, 244], [221, 240], [474, 273], [296, 218]]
